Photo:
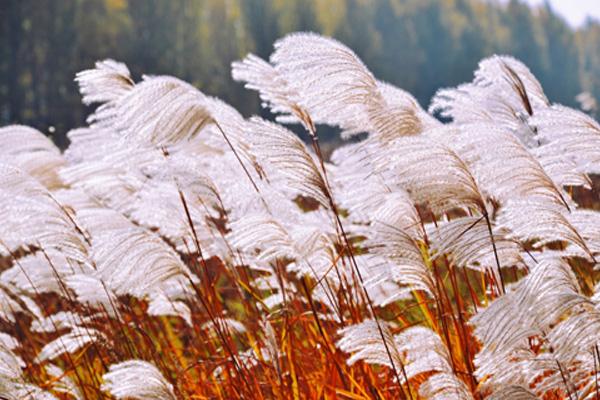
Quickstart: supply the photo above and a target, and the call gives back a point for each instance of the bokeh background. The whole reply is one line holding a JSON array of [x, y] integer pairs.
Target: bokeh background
[[418, 45]]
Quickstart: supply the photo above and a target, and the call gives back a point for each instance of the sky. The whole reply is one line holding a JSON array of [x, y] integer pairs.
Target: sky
[[574, 11]]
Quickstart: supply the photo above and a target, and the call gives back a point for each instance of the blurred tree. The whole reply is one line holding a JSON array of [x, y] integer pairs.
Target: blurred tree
[[527, 41], [14, 24], [562, 56], [261, 20], [588, 40]]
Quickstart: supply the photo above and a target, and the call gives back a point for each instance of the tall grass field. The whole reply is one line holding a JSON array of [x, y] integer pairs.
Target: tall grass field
[[177, 250]]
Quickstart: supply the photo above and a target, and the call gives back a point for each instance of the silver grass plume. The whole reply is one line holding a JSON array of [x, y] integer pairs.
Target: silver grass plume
[[503, 91], [572, 132], [419, 349], [431, 173], [33, 218], [513, 392], [288, 155], [137, 379], [105, 83], [32, 152], [314, 79], [540, 311]]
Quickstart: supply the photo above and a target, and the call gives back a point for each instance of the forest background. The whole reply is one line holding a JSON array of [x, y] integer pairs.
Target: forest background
[[418, 45]]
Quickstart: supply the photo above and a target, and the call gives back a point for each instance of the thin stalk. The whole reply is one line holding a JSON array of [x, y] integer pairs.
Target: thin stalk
[[321, 331], [489, 226], [335, 212], [235, 153], [564, 378], [464, 337], [221, 335], [596, 356], [39, 298]]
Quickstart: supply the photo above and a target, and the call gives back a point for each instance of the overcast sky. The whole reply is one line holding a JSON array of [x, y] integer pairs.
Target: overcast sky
[[575, 11]]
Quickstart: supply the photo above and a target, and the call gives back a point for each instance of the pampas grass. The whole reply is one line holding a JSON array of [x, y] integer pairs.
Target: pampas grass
[[177, 250]]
